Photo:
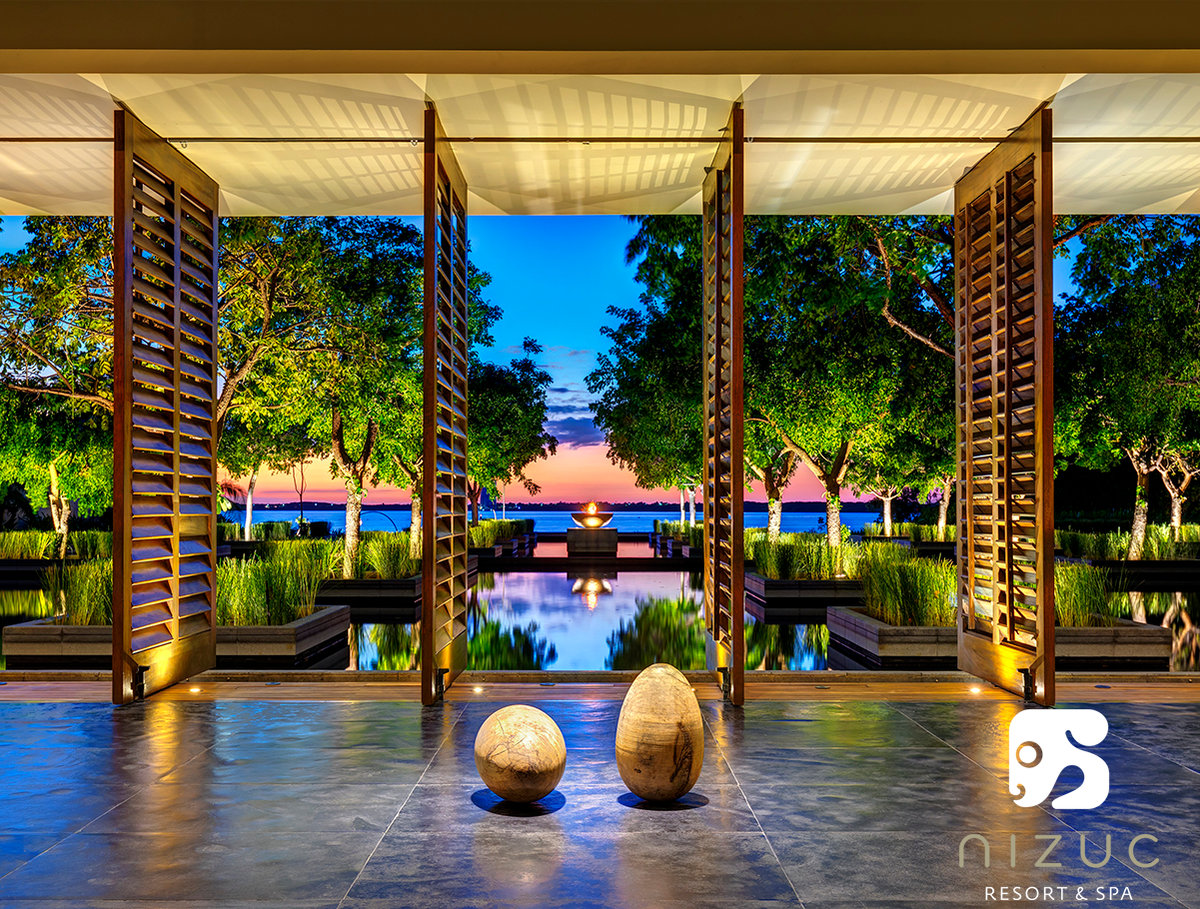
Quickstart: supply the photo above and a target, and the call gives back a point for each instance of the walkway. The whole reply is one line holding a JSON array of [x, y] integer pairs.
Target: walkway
[[826, 804]]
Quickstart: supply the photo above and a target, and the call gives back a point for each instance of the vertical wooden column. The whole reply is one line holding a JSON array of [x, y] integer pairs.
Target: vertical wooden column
[[724, 558], [444, 516], [1004, 330], [164, 426]]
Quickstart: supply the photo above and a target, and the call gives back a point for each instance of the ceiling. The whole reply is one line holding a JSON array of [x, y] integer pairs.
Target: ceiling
[[350, 144]]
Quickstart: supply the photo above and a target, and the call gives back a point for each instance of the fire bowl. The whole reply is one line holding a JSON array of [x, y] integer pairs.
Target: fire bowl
[[590, 520]]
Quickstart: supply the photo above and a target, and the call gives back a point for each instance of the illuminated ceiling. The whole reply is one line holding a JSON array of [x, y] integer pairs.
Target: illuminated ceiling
[[349, 144]]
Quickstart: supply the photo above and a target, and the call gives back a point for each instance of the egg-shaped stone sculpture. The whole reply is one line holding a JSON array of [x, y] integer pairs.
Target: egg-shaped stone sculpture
[[660, 735], [520, 753]]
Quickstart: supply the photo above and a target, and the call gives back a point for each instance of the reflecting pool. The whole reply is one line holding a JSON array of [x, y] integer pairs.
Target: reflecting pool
[[582, 621]]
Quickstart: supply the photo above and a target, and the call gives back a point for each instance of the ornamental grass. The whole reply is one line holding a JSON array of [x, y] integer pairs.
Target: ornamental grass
[[91, 544], [900, 589], [81, 592], [27, 544], [802, 557], [387, 554]]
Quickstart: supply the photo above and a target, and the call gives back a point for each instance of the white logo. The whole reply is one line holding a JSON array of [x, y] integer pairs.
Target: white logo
[[1039, 749]]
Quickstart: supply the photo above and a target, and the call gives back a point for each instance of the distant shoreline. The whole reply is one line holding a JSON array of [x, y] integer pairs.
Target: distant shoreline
[[665, 508]]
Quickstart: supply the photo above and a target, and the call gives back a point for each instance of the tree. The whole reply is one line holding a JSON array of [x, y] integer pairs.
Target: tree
[[1128, 355], [819, 373], [56, 316], [371, 290], [60, 450], [773, 464], [506, 420]]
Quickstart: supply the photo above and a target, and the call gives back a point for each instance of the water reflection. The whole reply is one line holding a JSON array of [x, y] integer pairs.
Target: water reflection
[[1178, 611], [542, 620]]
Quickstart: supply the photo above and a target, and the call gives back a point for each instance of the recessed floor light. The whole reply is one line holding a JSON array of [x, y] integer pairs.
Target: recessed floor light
[[195, 690], [478, 689], [975, 689]]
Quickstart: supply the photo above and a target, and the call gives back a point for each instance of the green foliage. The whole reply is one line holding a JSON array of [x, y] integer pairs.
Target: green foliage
[[241, 593], [1160, 543], [684, 532], [802, 556], [228, 531], [26, 544], [1081, 596], [271, 530], [83, 590], [902, 590], [663, 630], [928, 533], [490, 532], [387, 554], [276, 590], [91, 544]]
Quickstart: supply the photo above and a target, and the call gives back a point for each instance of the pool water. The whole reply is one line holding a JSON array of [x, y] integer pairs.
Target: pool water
[[545, 620]]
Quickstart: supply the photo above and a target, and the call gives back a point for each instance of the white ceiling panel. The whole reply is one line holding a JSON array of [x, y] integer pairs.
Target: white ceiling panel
[[1135, 179], [961, 107], [584, 106], [844, 179], [313, 178], [56, 178], [1163, 105], [54, 106], [573, 178], [273, 106], [268, 176]]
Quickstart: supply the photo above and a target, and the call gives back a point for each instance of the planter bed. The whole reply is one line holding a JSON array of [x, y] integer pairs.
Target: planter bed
[[1151, 575], [317, 641], [858, 641], [797, 602], [375, 601]]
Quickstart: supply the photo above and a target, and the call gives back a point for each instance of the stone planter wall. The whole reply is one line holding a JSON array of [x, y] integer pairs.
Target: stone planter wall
[[860, 641], [318, 641], [797, 602]]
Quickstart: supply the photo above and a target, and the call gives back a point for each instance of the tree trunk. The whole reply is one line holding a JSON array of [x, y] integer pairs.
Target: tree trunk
[[774, 518], [249, 521], [833, 512], [887, 515], [353, 523], [682, 502], [692, 505], [944, 508], [474, 494], [1176, 515], [60, 511], [1137, 537], [352, 640], [414, 525]]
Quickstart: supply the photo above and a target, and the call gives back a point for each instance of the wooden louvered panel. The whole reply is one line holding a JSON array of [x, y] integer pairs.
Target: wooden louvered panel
[[445, 504], [723, 467], [1003, 370], [165, 232]]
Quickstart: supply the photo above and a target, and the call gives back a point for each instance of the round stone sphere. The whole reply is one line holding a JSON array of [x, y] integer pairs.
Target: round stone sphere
[[660, 736], [520, 753]]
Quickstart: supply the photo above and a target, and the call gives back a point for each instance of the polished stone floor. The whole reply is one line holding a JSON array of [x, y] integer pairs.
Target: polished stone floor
[[376, 804]]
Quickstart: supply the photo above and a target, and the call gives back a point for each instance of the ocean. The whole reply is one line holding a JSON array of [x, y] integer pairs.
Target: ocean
[[398, 518]]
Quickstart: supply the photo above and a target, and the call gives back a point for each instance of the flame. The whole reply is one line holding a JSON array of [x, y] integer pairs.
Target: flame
[[590, 508]]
